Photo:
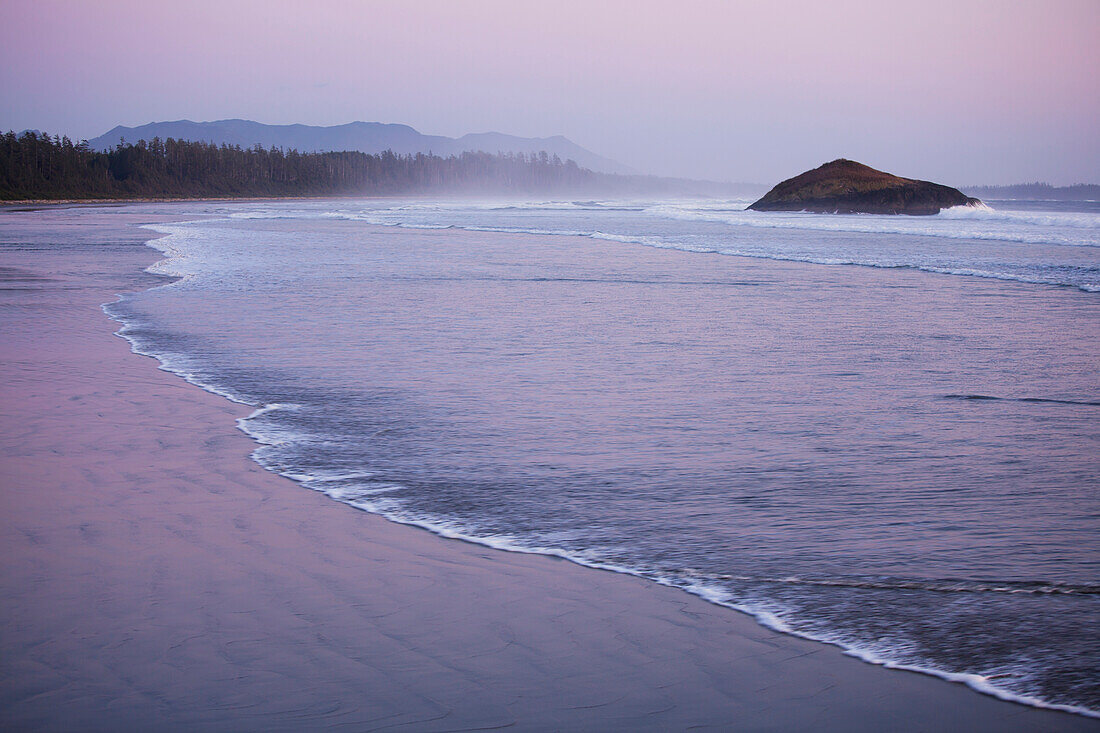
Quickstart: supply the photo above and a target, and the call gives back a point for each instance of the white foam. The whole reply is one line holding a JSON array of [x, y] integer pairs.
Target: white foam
[[173, 363], [982, 212], [971, 222], [394, 510], [984, 224]]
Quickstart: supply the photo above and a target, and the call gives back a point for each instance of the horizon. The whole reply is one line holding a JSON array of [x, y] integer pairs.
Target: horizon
[[968, 95], [548, 137]]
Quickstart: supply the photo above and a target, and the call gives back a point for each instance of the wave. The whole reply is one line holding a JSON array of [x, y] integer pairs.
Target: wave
[[1072, 220], [1086, 279], [736, 213], [988, 398], [1089, 287], [944, 225], [442, 207], [361, 489], [946, 585], [132, 330], [366, 495]]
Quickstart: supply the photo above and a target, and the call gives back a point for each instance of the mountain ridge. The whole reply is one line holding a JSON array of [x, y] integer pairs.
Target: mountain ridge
[[367, 137]]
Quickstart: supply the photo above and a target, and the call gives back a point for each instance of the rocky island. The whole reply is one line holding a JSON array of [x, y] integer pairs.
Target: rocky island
[[847, 187]]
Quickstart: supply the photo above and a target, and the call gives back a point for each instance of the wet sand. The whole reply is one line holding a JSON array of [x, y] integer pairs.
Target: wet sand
[[156, 578]]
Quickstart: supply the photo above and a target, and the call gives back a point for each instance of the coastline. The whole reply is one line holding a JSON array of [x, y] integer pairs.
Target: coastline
[[9, 204], [169, 581]]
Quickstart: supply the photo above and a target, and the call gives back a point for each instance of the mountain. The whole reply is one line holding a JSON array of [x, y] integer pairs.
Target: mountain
[[368, 137], [847, 187]]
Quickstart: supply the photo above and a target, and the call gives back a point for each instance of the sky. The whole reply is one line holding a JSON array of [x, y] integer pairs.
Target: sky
[[959, 92]]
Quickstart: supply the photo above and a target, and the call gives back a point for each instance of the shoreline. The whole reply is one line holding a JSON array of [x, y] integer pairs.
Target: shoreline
[[216, 588], [10, 204], [15, 204], [978, 683]]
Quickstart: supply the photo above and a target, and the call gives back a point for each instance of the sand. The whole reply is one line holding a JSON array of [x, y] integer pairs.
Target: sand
[[155, 578]]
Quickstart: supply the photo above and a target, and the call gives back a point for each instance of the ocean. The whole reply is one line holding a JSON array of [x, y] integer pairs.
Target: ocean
[[878, 432]]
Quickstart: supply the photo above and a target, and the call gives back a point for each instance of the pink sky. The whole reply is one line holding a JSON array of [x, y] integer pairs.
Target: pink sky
[[961, 92]]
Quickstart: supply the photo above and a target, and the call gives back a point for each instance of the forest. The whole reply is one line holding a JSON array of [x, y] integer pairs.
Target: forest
[[37, 166], [1038, 192]]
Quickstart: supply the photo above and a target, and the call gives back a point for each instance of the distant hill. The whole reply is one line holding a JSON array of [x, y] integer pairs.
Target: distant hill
[[1038, 192], [367, 137]]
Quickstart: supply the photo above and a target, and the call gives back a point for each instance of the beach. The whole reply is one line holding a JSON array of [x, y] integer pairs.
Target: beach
[[157, 578]]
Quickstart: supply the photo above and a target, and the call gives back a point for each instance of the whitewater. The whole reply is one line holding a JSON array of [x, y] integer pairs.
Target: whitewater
[[1036, 242]]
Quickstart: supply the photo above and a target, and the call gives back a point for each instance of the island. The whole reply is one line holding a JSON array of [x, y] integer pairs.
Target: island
[[847, 187]]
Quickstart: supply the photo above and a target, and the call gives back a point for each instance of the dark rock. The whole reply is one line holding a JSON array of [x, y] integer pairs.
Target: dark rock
[[848, 187]]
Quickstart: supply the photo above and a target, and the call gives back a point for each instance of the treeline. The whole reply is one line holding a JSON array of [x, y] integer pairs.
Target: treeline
[[1038, 192], [37, 166]]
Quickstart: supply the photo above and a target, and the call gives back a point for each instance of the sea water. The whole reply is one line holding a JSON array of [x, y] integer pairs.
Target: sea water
[[879, 432]]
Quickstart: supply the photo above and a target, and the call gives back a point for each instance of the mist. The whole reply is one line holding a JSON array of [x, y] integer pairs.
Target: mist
[[965, 93]]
